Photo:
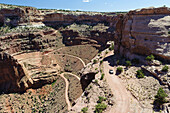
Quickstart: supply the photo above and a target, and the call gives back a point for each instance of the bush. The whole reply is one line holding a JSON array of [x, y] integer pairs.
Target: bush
[[101, 61], [111, 47], [168, 32], [101, 99], [150, 58], [106, 52], [165, 68], [84, 110], [102, 76], [140, 74], [128, 63], [120, 69], [160, 97], [100, 107], [94, 61]]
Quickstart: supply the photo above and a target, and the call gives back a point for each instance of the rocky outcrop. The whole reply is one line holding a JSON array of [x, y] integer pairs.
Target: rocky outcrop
[[36, 41], [95, 38], [58, 19], [144, 32], [11, 74], [19, 16]]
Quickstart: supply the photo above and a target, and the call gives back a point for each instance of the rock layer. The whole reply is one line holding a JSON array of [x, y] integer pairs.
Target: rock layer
[[144, 32]]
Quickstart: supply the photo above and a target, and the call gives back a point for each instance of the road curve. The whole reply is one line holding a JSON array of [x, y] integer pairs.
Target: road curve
[[72, 75], [66, 92]]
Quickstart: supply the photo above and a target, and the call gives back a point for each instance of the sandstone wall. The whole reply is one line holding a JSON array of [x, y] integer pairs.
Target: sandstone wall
[[144, 32], [11, 74], [19, 16]]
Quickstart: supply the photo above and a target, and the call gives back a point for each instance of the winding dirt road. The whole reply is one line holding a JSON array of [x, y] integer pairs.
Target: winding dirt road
[[67, 86]]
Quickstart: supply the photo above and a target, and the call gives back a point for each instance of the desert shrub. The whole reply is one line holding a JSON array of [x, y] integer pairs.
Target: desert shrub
[[120, 69], [128, 63], [84, 110], [160, 97], [111, 47], [100, 107], [140, 74], [101, 99], [101, 61], [96, 81], [94, 61], [165, 68], [150, 58], [102, 76], [135, 60], [106, 52]]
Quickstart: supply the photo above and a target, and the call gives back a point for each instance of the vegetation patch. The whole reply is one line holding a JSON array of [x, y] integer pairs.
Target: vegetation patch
[[119, 69], [100, 107], [84, 110], [140, 74], [160, 97], [150, 58], [165, 68]]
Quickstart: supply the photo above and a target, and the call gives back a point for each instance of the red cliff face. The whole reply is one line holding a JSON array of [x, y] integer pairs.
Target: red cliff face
[[11, 74], [144, 32], [18, 16]]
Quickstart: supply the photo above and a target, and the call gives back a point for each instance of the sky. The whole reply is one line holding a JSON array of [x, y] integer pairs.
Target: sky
[[90, 5]]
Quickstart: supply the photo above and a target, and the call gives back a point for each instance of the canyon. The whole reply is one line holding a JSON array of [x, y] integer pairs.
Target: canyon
[[48, 52]]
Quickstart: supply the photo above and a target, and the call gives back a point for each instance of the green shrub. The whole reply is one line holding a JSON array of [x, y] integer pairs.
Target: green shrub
[[111, 47], [106, 52], [100, 107], [160, 97], [128, 63], [94, 61], [102, 76], [140, 74], [101, 99], [150, 58], [96, 81], [101, 61], [120, 69], [84, 110], [165, 68], [168, 32]]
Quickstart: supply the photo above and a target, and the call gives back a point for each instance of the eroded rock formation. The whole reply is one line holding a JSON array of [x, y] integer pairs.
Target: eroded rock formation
[[144, 32]]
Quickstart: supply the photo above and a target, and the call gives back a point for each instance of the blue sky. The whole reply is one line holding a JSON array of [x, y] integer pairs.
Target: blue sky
[[90, 5]]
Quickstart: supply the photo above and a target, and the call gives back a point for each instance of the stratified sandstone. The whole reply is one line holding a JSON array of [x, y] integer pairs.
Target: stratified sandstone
[[144, 32]]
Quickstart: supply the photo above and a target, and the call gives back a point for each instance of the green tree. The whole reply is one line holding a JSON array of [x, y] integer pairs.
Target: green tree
[[84, 110], [102, 76], [120, 69], [128, 63], [140, 74], [165, 68], [150, 58], [101, 99], [160, 97], [100, 107]]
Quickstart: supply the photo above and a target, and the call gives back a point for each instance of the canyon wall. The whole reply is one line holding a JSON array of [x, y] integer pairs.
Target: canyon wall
[[144, 32], [11, 74]]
